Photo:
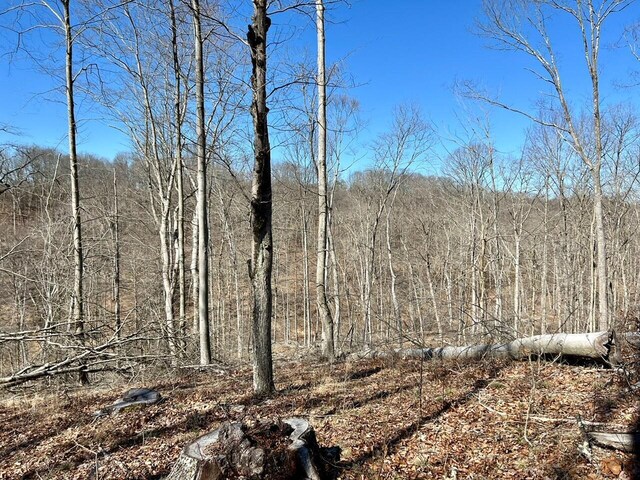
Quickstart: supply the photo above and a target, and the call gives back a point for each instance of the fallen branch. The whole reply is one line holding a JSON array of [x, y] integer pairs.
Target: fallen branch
[[87, 359], [217, 368]]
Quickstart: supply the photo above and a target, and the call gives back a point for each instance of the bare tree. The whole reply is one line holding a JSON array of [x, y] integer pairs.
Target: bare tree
[[14, 169], [179, 114], [523, 26], [62, 22], [328, 348], [405, 145], [134, 43], [261, 209], [203, 228], [77, 302]]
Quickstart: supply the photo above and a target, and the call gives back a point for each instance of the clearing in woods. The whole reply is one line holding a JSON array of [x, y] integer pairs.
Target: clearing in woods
[[392, 419]]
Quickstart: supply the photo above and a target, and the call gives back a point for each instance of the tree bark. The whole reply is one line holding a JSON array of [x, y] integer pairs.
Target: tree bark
[[228, 448], [194, 271], [627, 442], [203, 227], [261, 208], [328, 348], [77, 302], [178, 107]]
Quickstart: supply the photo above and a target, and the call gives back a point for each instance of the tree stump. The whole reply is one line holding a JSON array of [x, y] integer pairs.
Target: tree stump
[[273, 450]]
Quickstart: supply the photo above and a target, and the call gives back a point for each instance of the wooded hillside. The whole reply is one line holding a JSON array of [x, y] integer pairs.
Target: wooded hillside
[[144, 258], [441, 262], [256, 213]]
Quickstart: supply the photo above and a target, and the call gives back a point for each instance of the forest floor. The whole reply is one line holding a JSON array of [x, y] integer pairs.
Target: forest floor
[[393, 419]]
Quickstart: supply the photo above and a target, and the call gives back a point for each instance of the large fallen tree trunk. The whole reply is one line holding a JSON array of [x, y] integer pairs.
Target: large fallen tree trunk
[[608, 435], [626, 442], [597, 345]]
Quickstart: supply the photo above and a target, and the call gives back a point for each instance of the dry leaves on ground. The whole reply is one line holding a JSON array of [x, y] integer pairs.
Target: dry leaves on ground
[[393, 420]]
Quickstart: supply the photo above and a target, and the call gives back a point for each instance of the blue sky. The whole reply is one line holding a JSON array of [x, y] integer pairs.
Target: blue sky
[[416, 50], [403, 51]]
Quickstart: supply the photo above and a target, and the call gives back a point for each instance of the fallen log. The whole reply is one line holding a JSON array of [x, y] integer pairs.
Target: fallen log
[[597, 345], [626, 442], [286, 448]]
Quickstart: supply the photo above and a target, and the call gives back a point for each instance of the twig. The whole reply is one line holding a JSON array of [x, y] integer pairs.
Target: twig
[[95, 454]]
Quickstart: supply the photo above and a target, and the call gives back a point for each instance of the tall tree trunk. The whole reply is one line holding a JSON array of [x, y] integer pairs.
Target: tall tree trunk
[[328, 348], [167, 281], [392, 273], [516, 281], [194, 271], [261, 208], [603, 278], [306, 301], [593, 281], [115, 231], [77, 307], [592, 55], [336, 289], [182, 299], [203, 227]]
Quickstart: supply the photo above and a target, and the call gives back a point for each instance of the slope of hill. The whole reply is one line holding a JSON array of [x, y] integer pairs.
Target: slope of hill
[[392, 419]]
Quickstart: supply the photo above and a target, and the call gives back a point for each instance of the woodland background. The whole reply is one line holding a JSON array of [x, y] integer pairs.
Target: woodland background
[[490, 248]]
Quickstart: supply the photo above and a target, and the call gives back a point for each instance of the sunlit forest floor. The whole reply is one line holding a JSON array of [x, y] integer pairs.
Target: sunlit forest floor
[[393, 419]]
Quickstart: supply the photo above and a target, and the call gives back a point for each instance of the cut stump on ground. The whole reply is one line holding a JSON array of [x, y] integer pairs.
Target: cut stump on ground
[[265, 449]]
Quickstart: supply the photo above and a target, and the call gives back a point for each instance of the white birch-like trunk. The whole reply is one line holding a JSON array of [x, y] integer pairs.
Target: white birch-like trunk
[[328, 348], [201, 205], [394, 296]]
